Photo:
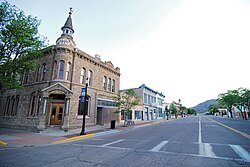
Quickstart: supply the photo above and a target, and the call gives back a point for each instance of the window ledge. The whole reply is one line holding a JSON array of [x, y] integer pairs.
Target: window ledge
[[81, 117]]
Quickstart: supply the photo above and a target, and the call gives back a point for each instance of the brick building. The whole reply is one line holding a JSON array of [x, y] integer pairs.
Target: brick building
[[50, 94]]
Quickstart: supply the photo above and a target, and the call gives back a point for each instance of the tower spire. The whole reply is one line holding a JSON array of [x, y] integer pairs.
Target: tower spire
[[67, 31], [68, 28]]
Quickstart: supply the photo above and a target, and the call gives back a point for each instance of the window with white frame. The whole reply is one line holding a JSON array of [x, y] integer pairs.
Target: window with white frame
[[109, 84], [61, 69], [68, 69], [82, 76], [90, 77], [145, 98], [105, 83], [43, 72], [113, 85]]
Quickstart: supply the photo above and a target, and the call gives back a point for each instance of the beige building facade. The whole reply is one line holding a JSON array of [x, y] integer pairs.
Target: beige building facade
[[50, 94]]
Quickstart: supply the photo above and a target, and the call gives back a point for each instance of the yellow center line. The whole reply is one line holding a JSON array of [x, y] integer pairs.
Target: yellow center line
[[73, 138], [3, 143], [232, 129]]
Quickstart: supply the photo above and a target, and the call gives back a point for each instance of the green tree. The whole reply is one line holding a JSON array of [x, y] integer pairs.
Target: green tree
[[213, 109], [244, 101], [20, 43], [127, 100], [173, 110], [191, 111], [230, 98]]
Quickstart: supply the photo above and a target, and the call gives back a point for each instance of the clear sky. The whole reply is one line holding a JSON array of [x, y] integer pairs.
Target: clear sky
[[191, 50]]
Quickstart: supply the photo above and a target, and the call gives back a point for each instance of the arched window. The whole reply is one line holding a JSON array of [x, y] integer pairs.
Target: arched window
[[37, 73], [54, 76], [34, 105], [61, 69], [113, 85], [83, 75], [105, 83], [109, 84], [67, 76], [90, 76], [43, 72]]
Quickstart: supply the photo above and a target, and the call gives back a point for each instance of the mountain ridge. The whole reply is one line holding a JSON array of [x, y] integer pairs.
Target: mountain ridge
[[204, 106]]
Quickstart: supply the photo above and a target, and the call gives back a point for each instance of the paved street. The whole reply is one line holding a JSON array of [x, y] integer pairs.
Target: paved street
[[193, 141]]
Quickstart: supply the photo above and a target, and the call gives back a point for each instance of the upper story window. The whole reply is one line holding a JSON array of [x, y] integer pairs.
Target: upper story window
[[149, 99], [43, 72], [113, 85], [68, 71], [105, 83], [90, 77], [109, 84], [37, 73], [83, 75], [61, 69], [145, 98]]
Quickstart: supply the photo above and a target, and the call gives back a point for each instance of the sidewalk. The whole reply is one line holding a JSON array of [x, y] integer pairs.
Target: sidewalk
[[22, 138]]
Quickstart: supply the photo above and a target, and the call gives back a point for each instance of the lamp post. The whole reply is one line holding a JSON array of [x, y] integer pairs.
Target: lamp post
[[179, 101], [84, 100]]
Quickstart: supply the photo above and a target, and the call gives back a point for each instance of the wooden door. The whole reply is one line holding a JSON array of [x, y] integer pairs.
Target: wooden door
[[56, 114]]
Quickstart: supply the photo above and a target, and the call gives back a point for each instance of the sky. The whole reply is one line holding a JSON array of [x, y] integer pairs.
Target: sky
[[191, 50]]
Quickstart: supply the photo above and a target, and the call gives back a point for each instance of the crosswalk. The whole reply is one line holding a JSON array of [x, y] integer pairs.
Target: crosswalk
[[195, 149]]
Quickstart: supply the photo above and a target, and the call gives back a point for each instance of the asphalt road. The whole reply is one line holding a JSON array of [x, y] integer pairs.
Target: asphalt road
[[193, 141]]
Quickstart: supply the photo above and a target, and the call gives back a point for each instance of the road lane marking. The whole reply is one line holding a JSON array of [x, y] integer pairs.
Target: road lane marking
[[3, 143], [159, 146], [241, 152], [108, 144], [232, 129], [199, 140], [73, 138], [206, 149], [170, 153], [106, 132]]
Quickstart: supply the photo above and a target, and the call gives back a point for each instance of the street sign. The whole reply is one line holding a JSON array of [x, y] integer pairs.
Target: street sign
[[83, 95]]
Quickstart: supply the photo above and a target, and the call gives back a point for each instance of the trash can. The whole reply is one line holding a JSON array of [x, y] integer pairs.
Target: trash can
[[112, 125]]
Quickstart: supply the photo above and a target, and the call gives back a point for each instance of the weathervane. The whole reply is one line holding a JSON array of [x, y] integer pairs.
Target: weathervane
[[70, 10]]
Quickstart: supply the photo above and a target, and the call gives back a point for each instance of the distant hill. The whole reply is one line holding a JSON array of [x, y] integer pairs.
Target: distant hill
[[203, 107]]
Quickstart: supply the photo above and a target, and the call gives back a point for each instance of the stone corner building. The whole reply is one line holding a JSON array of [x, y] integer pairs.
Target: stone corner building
[[50, 94]]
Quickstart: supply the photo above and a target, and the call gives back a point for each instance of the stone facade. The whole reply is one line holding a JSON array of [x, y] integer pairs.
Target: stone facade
[[50, 94]]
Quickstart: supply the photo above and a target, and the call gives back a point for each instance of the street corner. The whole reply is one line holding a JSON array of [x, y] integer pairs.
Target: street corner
[[2, 143], [73, 138]]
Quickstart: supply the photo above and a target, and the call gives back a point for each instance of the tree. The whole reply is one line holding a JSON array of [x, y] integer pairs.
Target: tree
[[213, 108], [191, 111], [127, 100], [236, 98], [244, 102], [183, 110], [173, 110], [19, 44]]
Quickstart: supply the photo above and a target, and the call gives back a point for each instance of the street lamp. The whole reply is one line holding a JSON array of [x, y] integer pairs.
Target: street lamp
[[179, 101], [84, 100]]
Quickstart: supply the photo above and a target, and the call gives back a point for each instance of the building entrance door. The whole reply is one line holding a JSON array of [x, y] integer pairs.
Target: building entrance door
[[99, 116], [56, 114]]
